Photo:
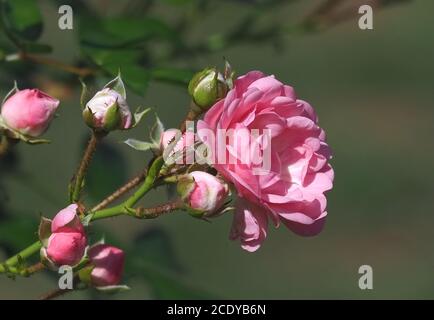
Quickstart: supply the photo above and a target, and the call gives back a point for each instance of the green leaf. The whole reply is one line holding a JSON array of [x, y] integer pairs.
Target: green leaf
[[172, 75], [123, 32], [112, 118], [113, 289], [86, 220], [83, 95], [22, 18], [139, 114], [139, 145], [134, 76], [44, 230], [34, 141], [117, 85], [156, 131], [10, 93]]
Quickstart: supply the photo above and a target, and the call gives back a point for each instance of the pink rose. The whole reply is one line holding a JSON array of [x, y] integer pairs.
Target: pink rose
[[203, 192], [98, 112], [67, 243], [108, 264], [29, 112], [290, 186]]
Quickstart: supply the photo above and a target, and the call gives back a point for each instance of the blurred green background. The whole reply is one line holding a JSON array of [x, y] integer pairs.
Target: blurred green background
[[373, 91]]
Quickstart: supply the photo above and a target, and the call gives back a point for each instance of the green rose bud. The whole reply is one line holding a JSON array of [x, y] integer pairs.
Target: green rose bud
[[207, 87]]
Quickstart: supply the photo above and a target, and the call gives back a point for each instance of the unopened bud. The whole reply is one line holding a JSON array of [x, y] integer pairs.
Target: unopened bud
[[207, 87]]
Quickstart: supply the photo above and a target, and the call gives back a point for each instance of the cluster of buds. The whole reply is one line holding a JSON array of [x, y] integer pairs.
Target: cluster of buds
[[26, 114], [65, 243]]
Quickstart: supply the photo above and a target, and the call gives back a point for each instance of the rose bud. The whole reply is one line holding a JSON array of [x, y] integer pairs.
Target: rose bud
[[169, 137], [207, 87], [107, 111], [29, 112], [108, 265], [67, 242], [203, 193]]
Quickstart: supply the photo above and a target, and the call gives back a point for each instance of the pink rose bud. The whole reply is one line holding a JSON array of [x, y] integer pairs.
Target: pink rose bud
[[108, 262], [107, 111], [67, 243], [29, 112], [203, 193], [172, 136]]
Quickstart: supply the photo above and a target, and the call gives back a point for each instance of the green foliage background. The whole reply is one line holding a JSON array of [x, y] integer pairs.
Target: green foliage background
[[373, 91]]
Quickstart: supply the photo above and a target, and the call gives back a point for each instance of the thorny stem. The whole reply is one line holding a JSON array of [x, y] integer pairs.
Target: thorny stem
[[78, 179], [58, 292], [147, 185], [81, 72], [155, 212], [24, 272], [54, 294], [22, 255], [121, 191]]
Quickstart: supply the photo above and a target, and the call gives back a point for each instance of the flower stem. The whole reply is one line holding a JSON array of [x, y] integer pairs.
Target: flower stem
[[147, 185], [84, 165], [81, 72], [155, 212], [121, 191], [22, 255], [59, 292]]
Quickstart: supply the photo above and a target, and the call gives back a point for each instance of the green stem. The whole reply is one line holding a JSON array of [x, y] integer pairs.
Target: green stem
[[153, 172], [109, 212], [27, 252], [147, 185]]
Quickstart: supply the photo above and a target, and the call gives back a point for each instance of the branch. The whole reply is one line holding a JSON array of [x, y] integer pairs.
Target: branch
[[121, 191], [84, 165], [58, 292], [155, 212], [81, 72], [147, 185]]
